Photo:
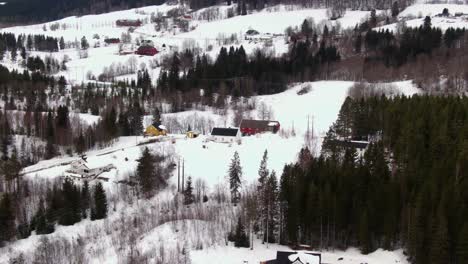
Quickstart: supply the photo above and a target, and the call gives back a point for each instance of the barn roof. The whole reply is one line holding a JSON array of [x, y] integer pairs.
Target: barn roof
[[257, 124], [285, 257], [228, 132]]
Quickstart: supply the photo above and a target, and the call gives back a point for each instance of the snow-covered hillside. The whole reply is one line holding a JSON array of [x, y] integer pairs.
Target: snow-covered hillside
[[208, 36]]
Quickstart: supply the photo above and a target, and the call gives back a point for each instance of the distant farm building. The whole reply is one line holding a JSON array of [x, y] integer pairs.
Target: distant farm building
[[155, 130], [146, 50], [191, 134], [81, 169], [284, 257], [128, 23], [112, 40], [225, 135], [360, 146], [251, 127]]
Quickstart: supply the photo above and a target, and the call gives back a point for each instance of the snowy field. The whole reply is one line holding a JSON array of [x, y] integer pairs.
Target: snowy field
[[208, 36]]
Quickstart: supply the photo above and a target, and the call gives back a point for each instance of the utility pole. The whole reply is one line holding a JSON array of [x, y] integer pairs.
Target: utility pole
[[183, 174], [178, 174]]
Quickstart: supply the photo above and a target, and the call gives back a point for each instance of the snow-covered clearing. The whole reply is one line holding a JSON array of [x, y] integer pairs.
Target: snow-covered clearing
[[319, 108]]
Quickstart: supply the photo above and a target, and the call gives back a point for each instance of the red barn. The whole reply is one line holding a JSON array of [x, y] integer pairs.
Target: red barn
[[128, 23], [252, 127], [146, 51]]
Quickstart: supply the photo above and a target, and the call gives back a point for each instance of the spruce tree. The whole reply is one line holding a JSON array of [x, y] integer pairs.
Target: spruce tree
[[188, 192], [240, 236], [146, 173], [85, 199], [99, 211], [235, 178]]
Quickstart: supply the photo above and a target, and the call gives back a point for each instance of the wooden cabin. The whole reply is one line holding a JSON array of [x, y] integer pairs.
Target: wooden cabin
[[155, 130]]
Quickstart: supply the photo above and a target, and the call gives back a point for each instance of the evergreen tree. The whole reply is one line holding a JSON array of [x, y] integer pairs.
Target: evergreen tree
[[148, 177], [70, 212], [188, 192], [85, 199], [240, 236], [395, 9], [84, 43], [7, 219], [41, 223], [99, 211], [235, 178]]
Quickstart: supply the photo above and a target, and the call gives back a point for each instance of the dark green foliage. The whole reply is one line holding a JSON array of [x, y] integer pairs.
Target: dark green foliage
[[148, 174], [408, 189], [70, 212], [240, 237], [41, 222], [188, 192], [235, 178], [99, 210]]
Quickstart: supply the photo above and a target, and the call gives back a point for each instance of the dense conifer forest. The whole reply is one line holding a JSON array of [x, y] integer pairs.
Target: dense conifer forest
[[407, 190]]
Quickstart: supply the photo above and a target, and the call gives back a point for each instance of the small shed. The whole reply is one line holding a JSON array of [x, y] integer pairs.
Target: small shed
[[251, 127], [192, 134], [225, 135]]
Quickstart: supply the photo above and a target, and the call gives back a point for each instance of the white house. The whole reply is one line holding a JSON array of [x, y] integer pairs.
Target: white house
[[80, 167], [225, 135]]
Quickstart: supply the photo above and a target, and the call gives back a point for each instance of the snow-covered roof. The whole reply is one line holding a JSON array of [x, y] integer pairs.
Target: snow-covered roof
[[304, 258]]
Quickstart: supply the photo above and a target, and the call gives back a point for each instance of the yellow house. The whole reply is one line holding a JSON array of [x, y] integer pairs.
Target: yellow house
[[154, 131]]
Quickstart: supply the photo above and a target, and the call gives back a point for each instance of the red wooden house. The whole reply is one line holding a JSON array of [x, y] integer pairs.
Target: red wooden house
[[252, 127], [112, 40], [146, 51]]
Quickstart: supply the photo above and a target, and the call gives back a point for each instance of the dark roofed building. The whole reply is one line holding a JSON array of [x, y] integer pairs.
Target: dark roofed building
[[285, 257], [252, 127], [225, 135]]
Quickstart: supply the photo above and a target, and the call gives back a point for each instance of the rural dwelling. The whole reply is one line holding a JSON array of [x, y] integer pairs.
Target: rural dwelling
[[155, 130], [284, 257], [251, 127], [225, 135], [146, 50], [128, 23], [80, 168]]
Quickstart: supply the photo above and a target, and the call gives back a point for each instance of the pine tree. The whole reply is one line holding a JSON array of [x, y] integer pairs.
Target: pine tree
[[41, 223], [99, 211], [395, 9], [240, 236], [235, 178], [85, 199], [188, 192], [149, 179], [70, 212], [272, 208], [156, 116], [84, 43]]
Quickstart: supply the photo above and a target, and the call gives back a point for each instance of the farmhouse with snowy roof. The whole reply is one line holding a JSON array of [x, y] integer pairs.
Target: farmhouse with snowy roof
[[225, 135], [155, 130], [251, 127], [284, 257], [80, 168]]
